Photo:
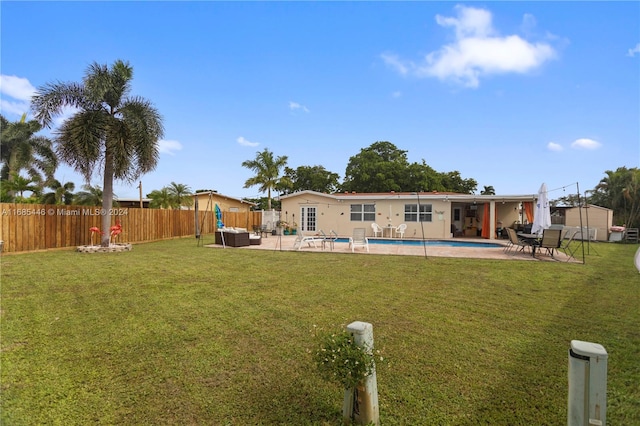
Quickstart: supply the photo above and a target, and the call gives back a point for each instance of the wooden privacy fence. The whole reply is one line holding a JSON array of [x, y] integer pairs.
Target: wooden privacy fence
[[27, 227]]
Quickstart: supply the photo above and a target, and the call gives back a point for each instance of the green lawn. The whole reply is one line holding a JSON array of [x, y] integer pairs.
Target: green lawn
[[172, 333]]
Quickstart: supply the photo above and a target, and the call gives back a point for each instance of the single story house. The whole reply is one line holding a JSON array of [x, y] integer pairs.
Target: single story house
[[438, 215], [206, 201]]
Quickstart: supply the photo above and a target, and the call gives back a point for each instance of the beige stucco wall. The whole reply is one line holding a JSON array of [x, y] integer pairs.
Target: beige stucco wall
[[335, 215]]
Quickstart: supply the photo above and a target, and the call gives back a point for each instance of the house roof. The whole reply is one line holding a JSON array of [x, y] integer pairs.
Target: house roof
[[450, 196], [217, 194]]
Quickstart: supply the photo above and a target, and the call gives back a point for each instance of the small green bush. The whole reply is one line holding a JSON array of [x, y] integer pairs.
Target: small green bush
[[340, 360]]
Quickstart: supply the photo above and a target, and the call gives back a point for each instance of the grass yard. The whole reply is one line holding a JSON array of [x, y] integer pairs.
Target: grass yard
[[172, 333]]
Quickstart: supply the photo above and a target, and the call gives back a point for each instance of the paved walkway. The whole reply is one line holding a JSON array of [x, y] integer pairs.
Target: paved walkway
[[285, 243]]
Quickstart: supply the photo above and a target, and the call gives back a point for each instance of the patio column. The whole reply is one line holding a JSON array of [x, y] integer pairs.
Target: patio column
[[492, 220]]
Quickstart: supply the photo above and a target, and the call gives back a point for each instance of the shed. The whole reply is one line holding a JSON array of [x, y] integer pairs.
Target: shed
[[595, 217]]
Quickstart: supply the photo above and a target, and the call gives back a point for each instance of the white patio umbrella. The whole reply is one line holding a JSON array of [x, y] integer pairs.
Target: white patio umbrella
[[542, 212]]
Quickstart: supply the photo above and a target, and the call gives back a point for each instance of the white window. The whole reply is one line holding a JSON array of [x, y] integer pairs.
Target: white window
[[363, 212], [411, 213]]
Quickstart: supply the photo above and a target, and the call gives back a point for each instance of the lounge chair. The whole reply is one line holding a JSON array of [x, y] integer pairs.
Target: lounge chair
[[359, 239], [302, 238], [377, 229], [400, 230]]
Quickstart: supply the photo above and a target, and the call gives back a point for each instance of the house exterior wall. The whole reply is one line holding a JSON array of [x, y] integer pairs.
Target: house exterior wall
[[599, 218], [335, 214]]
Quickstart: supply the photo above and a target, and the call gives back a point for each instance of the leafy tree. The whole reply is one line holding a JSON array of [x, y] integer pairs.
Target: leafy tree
[[312, 178], [91, 196], [162, 199], [620, 191], [381, 167], [21, 150], [182, 194], [61, 193], [572, 200], [262, 203], [111, 130], [267, 172], [455, 183], [488, 190]]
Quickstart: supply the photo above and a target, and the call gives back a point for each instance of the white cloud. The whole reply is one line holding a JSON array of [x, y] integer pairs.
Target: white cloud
[[552, 146], [242, 141], [584, 143], [295, 106], [397, 94], [16, 87], [169, 147], [8, 107], [633, 51], [394, 62], [478, 51], [19, 90]]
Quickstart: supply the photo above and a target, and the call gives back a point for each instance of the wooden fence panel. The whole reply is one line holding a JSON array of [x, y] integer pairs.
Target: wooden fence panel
[[27, 227]]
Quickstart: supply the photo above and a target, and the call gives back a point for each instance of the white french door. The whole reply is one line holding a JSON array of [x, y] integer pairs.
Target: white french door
[[308, 219]]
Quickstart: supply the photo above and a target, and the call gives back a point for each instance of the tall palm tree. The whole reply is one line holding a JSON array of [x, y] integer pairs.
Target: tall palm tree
[[182, 193], [20, 150], [267, 169], [62, 194], [111, 130], [91, 196]]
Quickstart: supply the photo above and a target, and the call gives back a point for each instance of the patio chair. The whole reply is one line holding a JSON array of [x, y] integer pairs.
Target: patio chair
[[551, 240], [517, 242], [565, 243], [329, 239], [359, 239], [302, 238], [400, 229], [377, 229]]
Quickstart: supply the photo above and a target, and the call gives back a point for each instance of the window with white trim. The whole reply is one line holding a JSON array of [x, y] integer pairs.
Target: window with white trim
[[363, 212], [411, 213]]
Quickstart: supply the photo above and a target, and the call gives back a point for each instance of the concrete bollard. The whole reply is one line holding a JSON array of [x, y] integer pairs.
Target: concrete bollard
[[587, 384], [361, 403]]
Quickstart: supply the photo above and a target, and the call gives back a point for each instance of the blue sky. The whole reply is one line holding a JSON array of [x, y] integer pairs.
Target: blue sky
[[511, 94]]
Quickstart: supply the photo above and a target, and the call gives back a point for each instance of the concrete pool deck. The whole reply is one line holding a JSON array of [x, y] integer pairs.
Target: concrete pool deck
[[285, 243]]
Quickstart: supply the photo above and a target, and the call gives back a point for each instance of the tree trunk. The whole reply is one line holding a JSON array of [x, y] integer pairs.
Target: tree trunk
[[107, 198]]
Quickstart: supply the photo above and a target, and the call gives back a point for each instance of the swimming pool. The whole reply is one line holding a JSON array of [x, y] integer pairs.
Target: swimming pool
[[438, 243]]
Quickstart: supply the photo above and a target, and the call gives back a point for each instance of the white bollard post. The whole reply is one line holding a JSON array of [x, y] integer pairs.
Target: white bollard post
[[587, 384], [361, 403]]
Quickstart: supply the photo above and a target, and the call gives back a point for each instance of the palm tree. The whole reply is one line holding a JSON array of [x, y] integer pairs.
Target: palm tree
[[91, 196], [20, 184], [21, 150], [111, 130], [182, 193], [488, 190], [62, 194], [162, 199], [267, 171]]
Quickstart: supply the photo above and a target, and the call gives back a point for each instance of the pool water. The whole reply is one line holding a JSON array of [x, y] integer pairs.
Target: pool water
[[439, 243]]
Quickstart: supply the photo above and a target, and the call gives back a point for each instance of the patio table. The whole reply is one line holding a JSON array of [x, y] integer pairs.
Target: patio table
[[532, 239]]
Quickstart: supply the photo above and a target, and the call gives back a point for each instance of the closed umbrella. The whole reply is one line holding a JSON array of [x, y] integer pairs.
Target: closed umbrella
[[219, 223], [542, 212]]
